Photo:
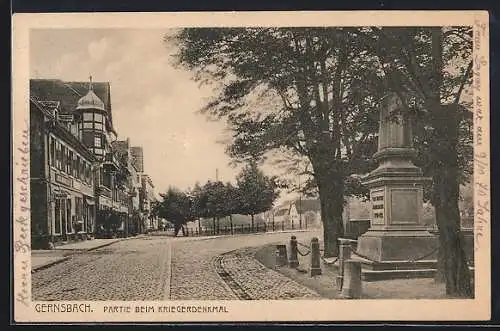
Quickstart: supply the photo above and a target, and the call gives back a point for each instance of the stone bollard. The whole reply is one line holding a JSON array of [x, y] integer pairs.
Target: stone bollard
[[352, 286], [281, 255], [344, 255], [315, 258], [294, 260]]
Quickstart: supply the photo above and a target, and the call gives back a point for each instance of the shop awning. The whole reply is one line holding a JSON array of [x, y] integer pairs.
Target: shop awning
[[89, 201]]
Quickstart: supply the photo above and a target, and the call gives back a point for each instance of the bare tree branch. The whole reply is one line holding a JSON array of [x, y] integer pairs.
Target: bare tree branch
[[463, 82]]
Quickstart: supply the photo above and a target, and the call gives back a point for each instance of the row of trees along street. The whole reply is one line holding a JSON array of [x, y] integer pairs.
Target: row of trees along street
[[313, 93], [254, 193]]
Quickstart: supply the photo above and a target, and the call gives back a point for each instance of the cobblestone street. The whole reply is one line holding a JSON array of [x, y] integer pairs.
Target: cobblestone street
[[133, 269], [162, 268]]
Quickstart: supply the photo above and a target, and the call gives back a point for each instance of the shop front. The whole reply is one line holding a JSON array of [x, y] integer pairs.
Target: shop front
[[72, 211]]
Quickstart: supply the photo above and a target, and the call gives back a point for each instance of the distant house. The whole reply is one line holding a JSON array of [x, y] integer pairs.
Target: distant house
[[300, 213], [281, 215]]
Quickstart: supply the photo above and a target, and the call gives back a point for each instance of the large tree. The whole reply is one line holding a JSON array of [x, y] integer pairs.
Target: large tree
[[430, 68], [312, 92], [257, 192], [176, 207], [212, 202], [234, 202]]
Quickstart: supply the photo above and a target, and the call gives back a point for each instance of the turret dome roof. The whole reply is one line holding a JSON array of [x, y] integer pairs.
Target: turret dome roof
[[90, 100]]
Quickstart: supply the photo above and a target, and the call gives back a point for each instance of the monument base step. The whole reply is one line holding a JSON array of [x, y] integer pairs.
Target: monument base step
[[374, 275], [397, 265], [372, 271]]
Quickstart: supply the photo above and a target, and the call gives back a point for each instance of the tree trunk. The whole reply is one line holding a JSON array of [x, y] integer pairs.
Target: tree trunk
[[176, 229], [446, 189], [213, 223], [440, 270], [454, 267], [252, 221], [231, 222], [332, 204]]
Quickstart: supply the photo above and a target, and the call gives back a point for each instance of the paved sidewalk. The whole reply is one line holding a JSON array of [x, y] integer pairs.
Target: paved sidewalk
[[41, 259], [89, 244]]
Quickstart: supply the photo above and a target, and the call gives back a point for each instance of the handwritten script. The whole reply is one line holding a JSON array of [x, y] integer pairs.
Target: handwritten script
[[22, 247], [482, 185]]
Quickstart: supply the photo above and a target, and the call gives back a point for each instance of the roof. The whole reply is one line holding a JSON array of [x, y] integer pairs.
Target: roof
[[90, 101], [306, 205], [120, 145], [61, 131], [68, 93], [281, 212], [120, 148]]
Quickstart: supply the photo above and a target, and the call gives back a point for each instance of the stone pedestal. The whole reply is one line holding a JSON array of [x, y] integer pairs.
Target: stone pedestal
[[397, 245]]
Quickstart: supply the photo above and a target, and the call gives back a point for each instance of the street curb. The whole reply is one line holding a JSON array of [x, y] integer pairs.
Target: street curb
[[50, 264], [103, 245], [238, 234]]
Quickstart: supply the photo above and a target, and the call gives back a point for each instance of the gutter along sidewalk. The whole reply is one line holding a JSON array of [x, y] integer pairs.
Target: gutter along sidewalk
[[41, 259]]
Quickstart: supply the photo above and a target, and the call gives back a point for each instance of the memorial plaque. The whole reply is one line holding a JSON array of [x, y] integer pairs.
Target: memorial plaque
[[404, 206], [377, 200]]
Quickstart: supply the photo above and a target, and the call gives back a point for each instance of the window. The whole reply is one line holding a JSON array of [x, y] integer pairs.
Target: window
[[106, 179], [88, 173], [81, 165], [98, 126], [63, 158], [52, 151], [97, 142], [76, 166], [88, 117], [88, 138], [69, 159], [98, 118], [58, 155], [88, 125], [70, 162]]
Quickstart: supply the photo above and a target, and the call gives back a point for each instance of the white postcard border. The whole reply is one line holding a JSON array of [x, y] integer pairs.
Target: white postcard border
[[320, 310]]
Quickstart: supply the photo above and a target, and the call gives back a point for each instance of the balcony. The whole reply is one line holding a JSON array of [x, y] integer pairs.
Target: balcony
[[111, 162]]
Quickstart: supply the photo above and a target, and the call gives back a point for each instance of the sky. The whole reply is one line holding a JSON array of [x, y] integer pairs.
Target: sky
[[153, 104]]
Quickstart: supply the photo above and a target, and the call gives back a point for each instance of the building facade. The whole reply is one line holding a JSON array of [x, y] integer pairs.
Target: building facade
[[148, 198], [62, 185], [84, 182]]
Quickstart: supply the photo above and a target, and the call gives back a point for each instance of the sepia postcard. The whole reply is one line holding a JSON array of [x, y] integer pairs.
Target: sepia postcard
[[251, 166]]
